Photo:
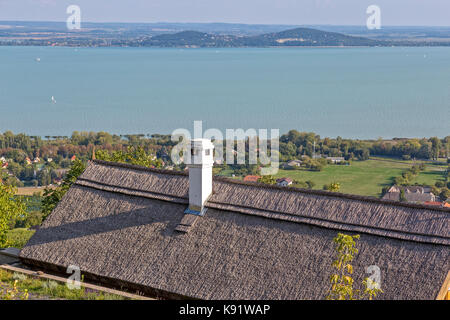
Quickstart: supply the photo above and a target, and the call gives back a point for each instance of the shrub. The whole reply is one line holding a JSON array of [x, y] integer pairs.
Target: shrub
[[34, 218], [439, 184], [18, 237], [10, 209], [334, 186], [13, 293], [435, 190], [53, 196], [402, 195], [406, 157], [300, 184], [342, 281], [267, 179], [400, 181], [445, 194], [310, 184]]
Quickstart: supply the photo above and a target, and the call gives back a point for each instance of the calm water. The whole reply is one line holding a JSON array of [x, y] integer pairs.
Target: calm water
[[355, 93]]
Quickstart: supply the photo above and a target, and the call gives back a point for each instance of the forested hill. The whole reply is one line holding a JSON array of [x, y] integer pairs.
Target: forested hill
[[309, 37], [293, 37]]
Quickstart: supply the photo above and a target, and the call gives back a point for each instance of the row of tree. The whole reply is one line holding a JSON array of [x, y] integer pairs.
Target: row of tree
[[295, 143]]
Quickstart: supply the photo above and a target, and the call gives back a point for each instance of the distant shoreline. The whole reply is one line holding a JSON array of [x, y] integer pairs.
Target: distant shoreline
[[243, 47], [300, 37]]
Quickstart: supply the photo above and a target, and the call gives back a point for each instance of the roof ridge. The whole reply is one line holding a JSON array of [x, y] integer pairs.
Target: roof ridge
[[138, 167], [233, 208], [332, 194], [132, 191], [281, 188]]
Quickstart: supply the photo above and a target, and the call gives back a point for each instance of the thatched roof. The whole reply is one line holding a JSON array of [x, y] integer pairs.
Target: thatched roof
[[119, 223]]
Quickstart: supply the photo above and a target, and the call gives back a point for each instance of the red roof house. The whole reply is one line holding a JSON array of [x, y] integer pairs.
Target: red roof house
[[284, 182], [251, 178]]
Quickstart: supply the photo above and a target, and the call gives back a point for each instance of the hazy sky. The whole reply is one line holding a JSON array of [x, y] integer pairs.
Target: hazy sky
[[342, 12]]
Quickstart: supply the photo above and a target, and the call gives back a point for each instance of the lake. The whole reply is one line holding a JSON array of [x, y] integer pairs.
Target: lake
[[347, 92]]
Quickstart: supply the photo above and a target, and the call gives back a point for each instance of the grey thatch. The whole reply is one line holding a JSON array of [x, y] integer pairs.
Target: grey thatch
[[119, 224]]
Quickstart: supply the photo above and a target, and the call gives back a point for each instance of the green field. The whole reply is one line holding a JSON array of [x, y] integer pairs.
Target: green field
[[18, 237], [364, 177]]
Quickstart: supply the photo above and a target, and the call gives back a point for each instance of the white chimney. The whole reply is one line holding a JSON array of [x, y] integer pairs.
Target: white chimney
[[200, 174]]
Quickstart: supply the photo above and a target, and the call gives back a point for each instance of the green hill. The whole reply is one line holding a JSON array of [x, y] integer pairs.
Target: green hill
[[292, 37]]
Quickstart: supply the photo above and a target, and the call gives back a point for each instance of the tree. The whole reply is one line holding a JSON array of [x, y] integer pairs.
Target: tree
[[10, 209], [435, 147], [51, 197], [384, 190], [402, 197], [341, 281], [133, 155], [267, 179], [310, 184], [439, 184], [334, 187], [445, 194]]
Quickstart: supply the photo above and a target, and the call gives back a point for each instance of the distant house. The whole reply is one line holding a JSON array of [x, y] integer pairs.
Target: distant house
[[49, 160], [336, 159], [284, 182], [2, 159], [37, 160], [61, 172], [293, 164], [5, 165], [28, 160], [437, 204], [251, 178], [416, 194], [74, 157]]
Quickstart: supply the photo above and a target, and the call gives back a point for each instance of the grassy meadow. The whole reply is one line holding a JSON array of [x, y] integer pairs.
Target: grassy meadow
[[30, 191], [41, 289], [18, 237], [364, 177]]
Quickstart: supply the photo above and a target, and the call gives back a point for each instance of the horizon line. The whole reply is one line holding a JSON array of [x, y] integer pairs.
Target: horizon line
[[235, 23]]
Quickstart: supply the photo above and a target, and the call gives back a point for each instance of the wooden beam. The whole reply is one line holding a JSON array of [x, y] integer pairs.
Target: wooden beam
[[444, 292], [42, 275]]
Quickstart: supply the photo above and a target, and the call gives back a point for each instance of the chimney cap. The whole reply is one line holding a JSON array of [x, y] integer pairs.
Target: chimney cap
[[201, 144]]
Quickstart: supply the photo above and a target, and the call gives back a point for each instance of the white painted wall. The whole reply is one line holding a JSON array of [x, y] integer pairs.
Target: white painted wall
[[200, 173]]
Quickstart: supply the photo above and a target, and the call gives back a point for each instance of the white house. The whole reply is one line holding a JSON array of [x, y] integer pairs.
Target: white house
[[284, 182]]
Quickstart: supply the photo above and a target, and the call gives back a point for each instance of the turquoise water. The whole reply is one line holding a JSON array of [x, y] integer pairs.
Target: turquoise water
[[351, 92]]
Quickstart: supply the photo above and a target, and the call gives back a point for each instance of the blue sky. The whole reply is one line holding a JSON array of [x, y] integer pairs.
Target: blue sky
[[338, 12]]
